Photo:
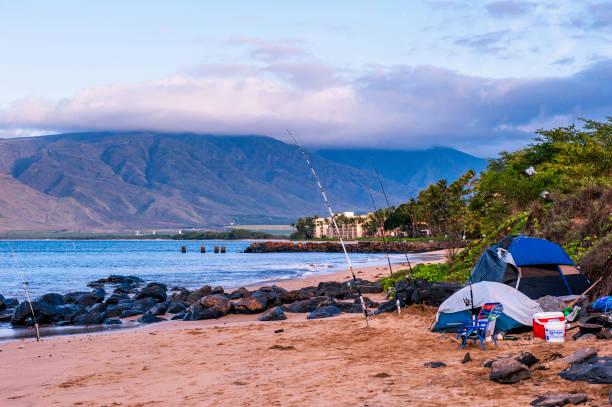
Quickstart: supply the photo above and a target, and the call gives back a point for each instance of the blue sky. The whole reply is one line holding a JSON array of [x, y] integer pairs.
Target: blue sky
[[479, 77]]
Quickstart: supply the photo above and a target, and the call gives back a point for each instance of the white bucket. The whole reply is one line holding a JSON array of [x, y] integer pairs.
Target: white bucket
[[555, 331]]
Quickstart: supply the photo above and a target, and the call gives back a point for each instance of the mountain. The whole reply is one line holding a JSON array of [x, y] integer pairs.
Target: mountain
[[411, 169], [120, 181]]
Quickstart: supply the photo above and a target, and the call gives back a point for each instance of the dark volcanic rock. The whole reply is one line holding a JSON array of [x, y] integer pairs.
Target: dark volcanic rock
[[305, 305], [149, 318], [259, 301], [51, 299], [197, 294], [527, 359], [89, 299], [596, 370], [156, 292], [508, 371], [332, 289], [11, 302], [218, 290], [115, 298], [554, 400], [45, 313], [99, 307], [239, 293], [434, 365], [125, 288], [119, 279], [160, 285], [144, 304], [130, 313], [112, 321], [389, 306], [159, 309], [367, 287], [72, 297], [326, 311], [175, 307], [349, 307], [91, 318], [273, 314], [292, 296], [113, 311], [180, 315], [208, 307], [432, 294], [2, 303]]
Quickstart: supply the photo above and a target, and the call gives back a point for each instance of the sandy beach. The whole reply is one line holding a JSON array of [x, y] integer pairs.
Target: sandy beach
[[239, 361]]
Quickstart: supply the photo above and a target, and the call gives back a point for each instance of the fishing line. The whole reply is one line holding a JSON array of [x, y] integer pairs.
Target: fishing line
[[381, 223], [333, 218], [391, 214], [25, 288]]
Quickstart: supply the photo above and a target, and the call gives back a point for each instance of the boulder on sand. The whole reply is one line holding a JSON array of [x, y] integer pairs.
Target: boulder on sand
[[239, 293], [156, 292], [273, 314], [208, 307], [259, 301], [197, 294], [91, 318], [581, 355], [144, 304], [88, 299], [304, 306], [326, 311], [149, 318], [596, 370], [509, 371], [553, 400]]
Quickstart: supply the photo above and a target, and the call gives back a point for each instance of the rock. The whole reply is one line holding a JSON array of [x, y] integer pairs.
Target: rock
[[159, 309], [367, 287], [176, 307], [113, 311], [208, 307], [125, 289], [160, 285], [349, 307], [553, 400], [389, 306], [112, 321], [368, 302], [548, 303], [581, 356], [87, 300], [2, 303], [596, 370], [130, 313], [432, 294], [45, 313], [197, 294], [149, 318], [586, 338], [218, 290], [155, 292], [91, 318], [324, 312], [51, 299], [99, 307], [467, 358], [239, 293], [6, 317], [293, 296], [273, 314], [115, 298], [180, 315], [527, 359], [258, 302], [332, 289], [304, 306], [401, 285], [434, 365], [509, 371], [119, 279], [11, 302], [144, 304]]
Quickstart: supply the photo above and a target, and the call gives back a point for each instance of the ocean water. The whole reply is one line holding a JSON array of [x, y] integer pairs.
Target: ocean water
[[64, 266]]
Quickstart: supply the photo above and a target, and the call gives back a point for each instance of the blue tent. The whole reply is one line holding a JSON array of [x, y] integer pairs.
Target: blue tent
[[536, 267]]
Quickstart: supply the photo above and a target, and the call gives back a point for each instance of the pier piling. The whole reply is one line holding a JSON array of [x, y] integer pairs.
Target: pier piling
[[184, 249], [202, 249], [216, 249], [222, 249]]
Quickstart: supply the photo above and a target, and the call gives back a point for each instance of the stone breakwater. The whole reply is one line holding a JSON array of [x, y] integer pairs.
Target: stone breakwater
[[118, 297], [336, 247]]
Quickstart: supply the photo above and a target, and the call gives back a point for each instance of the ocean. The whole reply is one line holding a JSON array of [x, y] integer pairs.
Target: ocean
[[64, 266]]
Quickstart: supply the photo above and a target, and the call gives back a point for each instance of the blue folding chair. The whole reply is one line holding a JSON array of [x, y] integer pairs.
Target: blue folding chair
[[476, 329]]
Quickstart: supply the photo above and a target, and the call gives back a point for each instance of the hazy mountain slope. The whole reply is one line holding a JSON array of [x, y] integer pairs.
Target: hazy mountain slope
[[115, 181], [412, 170]]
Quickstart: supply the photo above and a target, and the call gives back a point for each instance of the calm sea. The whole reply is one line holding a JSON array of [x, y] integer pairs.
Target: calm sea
[[63, 266]]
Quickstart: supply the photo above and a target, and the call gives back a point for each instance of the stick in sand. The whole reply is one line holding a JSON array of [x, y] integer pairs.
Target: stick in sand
[[571, 304], [331, 213]]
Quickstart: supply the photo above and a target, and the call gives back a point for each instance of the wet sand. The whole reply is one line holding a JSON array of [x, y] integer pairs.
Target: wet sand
[[238, 361]]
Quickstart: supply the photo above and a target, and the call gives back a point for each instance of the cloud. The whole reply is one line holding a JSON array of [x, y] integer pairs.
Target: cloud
[[509, 8], [491, 42], [399, 106], [564, 61], [601, 14]]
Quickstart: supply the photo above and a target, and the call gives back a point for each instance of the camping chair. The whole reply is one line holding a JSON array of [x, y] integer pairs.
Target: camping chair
[[476, 329]]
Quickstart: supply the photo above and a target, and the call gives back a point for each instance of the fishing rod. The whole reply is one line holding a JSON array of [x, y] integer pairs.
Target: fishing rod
[[399, 312], [390, 214], [333, 218], [25, 288]]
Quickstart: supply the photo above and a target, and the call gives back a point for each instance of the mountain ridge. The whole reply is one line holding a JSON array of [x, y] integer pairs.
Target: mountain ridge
[[110, 181]]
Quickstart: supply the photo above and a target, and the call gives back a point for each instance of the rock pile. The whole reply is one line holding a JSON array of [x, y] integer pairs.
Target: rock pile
[[418, 291], [129, 296]]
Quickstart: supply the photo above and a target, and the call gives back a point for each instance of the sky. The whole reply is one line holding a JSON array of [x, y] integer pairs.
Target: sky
[[480, 76]]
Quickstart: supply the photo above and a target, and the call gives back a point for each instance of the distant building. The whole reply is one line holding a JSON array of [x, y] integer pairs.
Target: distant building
[[350, 226]]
